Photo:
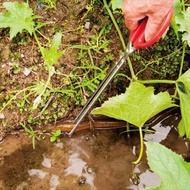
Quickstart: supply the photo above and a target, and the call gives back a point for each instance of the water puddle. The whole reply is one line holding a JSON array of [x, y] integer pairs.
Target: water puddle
[[99, 160]]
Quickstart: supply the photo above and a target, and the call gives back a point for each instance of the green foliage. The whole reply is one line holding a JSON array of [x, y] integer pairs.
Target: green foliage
[[18, 17], [183, 88], [88, 76], [136, 106], [32, 134], [184, 25], [55, 136], [49, 4], [116, 4], [51, 56], [170, 167], [16, 68], [177, 15], [162, 59]]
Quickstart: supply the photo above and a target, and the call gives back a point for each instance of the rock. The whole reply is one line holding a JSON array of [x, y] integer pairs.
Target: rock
[[88, 25], [76, 7]]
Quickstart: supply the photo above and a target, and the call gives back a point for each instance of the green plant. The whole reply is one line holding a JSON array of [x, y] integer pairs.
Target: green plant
[[55, 136], [51, 58], [136, 106], [87, 76], [49, 4], [16, 68], [170, 167], [32, 134], [26, 22], [139, 103]]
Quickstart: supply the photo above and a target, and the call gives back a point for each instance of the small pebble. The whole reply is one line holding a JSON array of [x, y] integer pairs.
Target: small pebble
[[81, 180], [2, 116], [88, 25], [40, 6], [89, 170], [46, 16], [26, 71]]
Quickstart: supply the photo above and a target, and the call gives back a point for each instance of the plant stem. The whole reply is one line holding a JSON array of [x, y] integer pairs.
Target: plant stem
[[182, 59], [141, 147], [39, 45], [131, 69], [157, 81], [115, 24], [120, 36], [181, 65]]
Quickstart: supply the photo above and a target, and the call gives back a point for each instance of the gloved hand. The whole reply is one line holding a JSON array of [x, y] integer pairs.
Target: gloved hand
[[156, 10]]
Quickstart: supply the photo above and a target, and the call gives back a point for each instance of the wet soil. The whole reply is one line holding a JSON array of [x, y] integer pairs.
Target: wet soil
[[90, 160]]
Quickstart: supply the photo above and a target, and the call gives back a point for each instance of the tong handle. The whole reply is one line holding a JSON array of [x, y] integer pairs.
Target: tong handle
[[100, 89], [137, 36]]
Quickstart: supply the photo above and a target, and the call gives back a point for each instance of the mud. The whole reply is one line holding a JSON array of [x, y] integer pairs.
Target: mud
[[90, 160]]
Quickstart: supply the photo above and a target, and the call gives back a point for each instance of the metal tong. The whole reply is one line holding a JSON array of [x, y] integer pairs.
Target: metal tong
[[136, 41]]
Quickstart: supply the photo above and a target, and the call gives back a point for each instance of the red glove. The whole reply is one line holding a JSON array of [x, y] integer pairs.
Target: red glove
[[156, 10]]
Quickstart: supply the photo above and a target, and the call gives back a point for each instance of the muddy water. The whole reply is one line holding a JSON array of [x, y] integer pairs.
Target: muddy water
[[99, 160]]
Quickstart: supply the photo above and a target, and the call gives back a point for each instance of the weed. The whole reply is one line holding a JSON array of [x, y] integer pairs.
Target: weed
[[32, 134], [48, 4], [55, 136], [16, 68]]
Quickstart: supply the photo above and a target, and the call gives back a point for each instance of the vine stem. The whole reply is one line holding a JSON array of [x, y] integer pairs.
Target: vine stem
[[120, 36], [39, 45], [115, 24], [141, 147], [181, 65], [157, 81], [182, 59]]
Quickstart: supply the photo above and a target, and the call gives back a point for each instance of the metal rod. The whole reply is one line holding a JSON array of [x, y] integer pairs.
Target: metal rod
[[101, 88]]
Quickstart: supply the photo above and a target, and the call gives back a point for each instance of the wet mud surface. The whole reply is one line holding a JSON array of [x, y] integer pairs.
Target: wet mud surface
[[90, 160]]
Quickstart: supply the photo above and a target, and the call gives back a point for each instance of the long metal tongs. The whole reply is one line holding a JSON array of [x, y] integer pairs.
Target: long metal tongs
[[136, 41]]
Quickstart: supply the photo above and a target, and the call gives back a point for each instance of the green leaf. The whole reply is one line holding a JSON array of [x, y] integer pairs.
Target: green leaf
[[51, 55], [173, 171], [117, 4], [181, 128], [183, 88], [184, 25], [57, 133], [53, 139], [136, 106], [19, 17], [177, 15]]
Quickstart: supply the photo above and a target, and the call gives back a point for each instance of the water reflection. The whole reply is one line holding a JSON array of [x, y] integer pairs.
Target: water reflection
[[54, 182], [161, 132], [79, 167], [37, 172], [85, 161]]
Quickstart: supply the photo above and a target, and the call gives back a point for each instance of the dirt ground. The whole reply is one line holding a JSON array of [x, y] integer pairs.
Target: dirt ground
[[70, 18], [79, 26]]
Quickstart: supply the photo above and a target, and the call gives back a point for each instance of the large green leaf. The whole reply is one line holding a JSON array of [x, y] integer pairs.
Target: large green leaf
[[173, 171], [19, 17], [136, 105], [183, 88]]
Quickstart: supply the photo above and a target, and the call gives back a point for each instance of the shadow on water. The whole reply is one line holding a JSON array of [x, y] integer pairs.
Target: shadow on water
[[99, 160]]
